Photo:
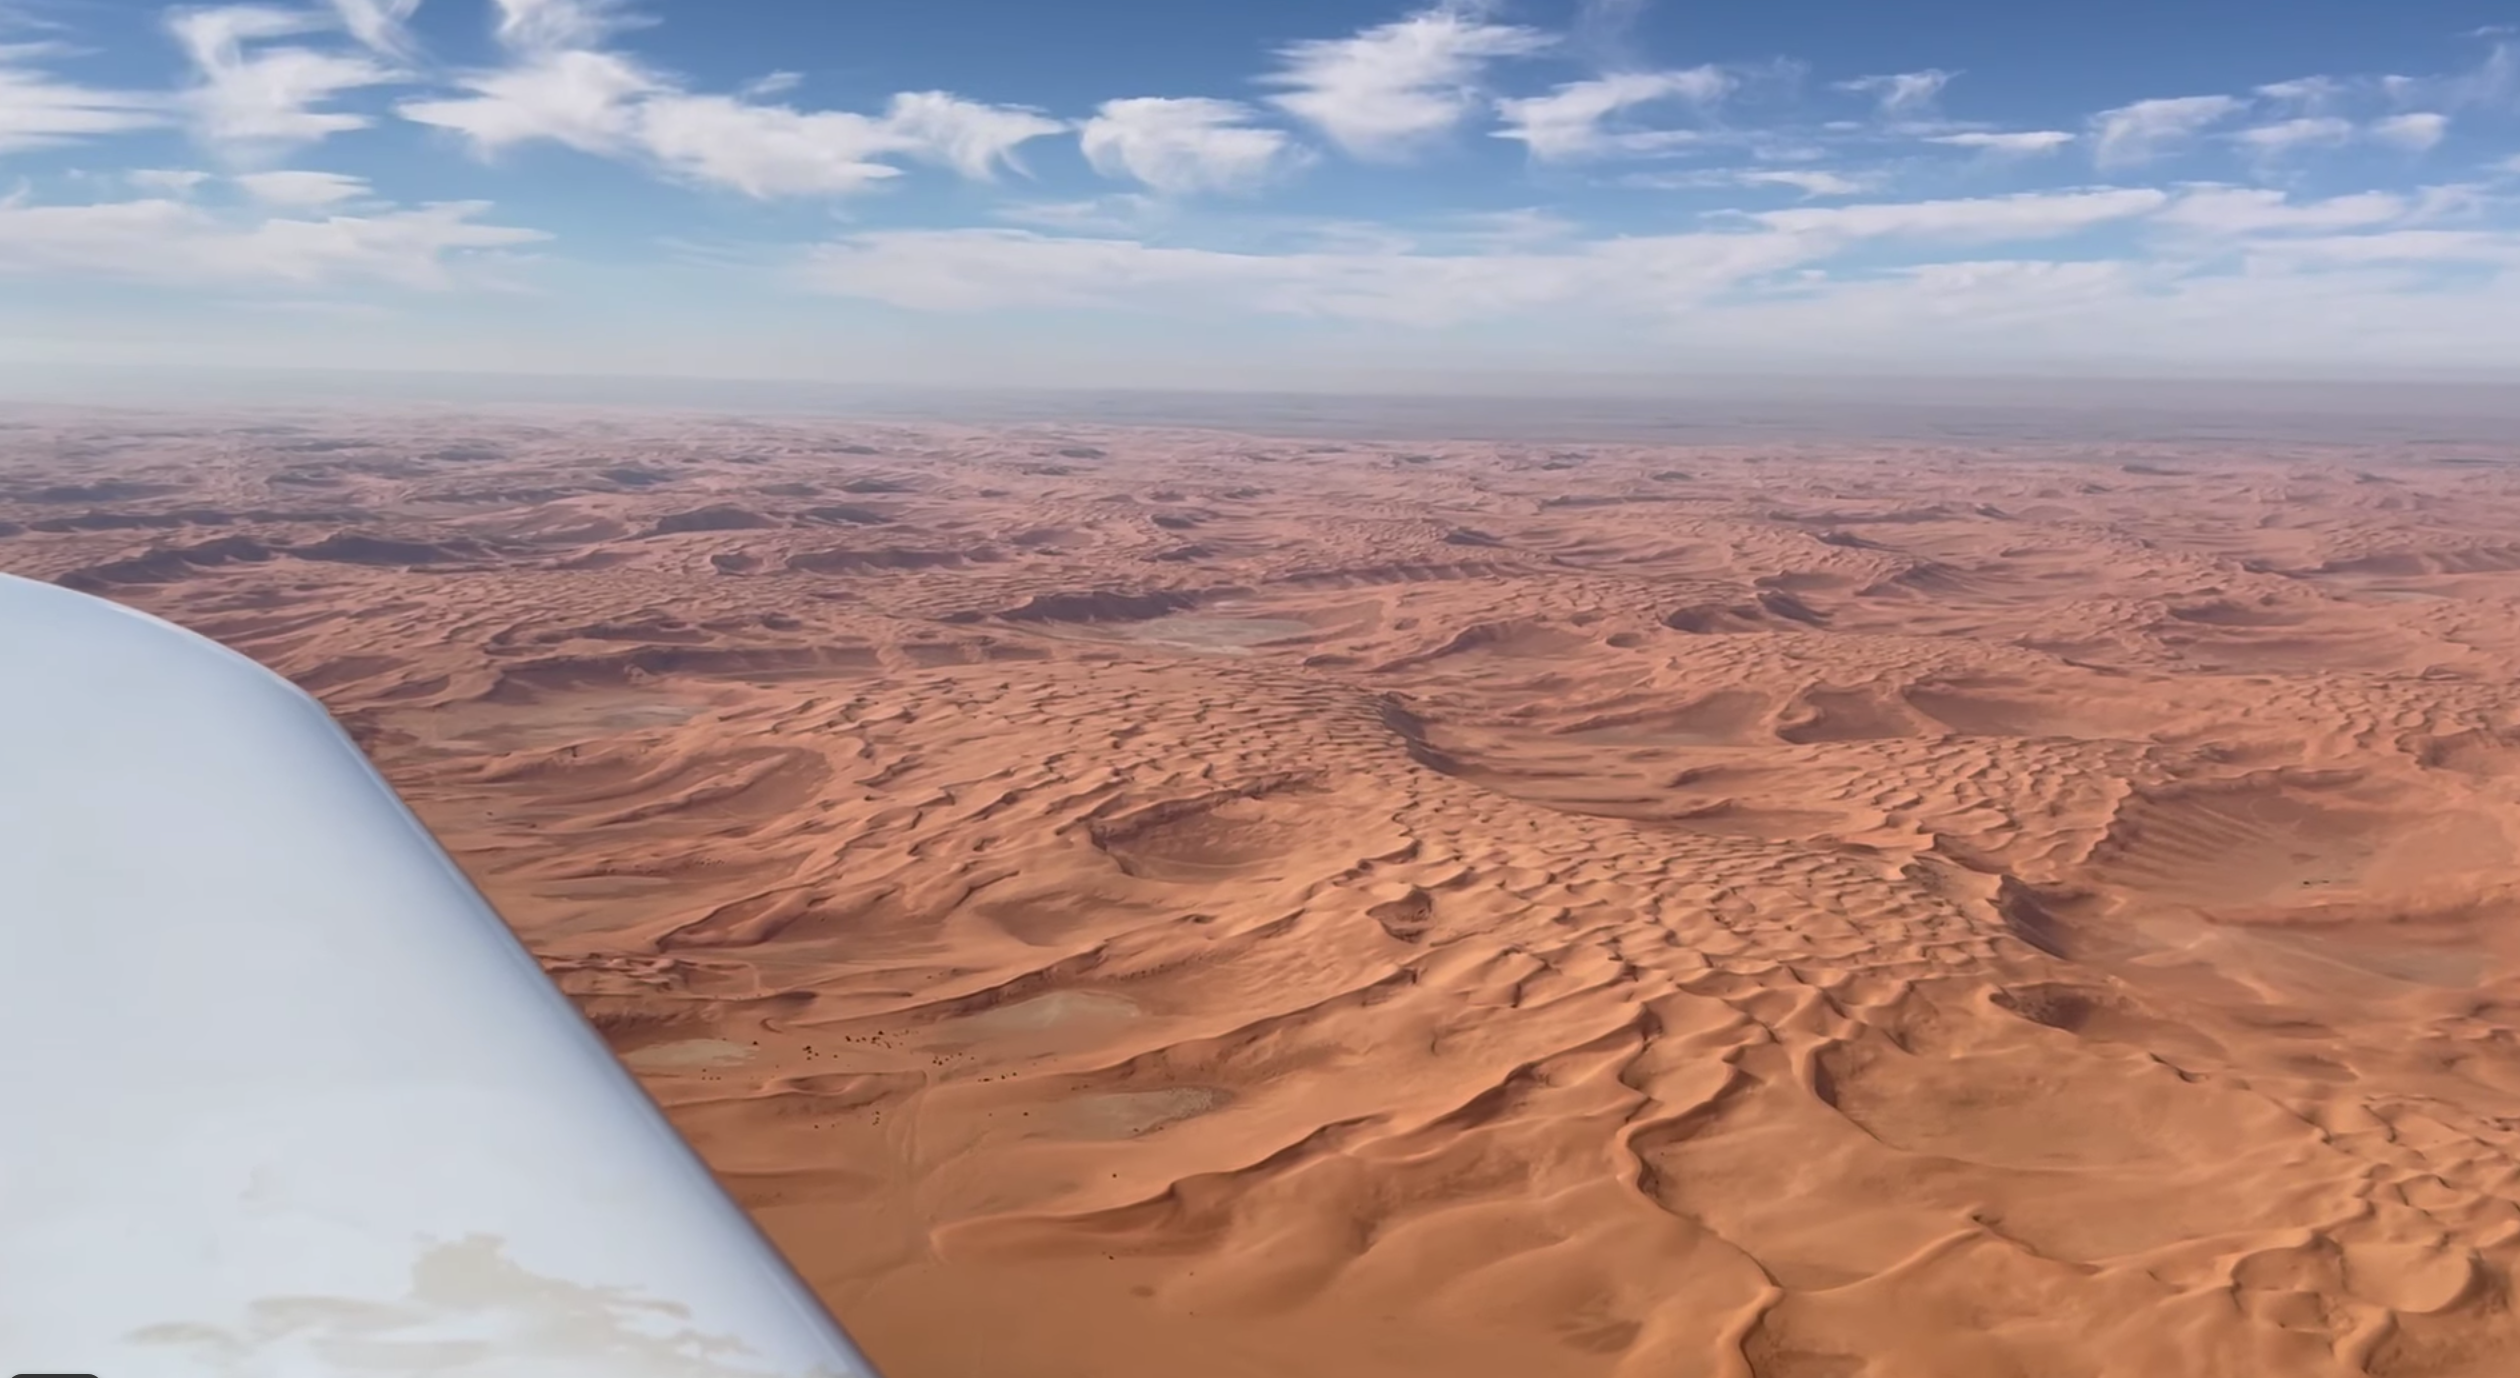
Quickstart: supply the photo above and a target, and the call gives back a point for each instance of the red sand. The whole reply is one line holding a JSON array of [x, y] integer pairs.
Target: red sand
[[1139, 904]]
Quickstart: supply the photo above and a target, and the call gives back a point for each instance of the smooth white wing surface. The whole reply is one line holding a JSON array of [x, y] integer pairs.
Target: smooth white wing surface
[[281, 1096]]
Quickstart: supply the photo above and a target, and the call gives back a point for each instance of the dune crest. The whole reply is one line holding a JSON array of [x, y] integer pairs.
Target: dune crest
[[1134, 903]]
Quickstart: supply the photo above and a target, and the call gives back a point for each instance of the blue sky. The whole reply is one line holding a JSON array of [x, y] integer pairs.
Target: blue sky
[[1202, 193]]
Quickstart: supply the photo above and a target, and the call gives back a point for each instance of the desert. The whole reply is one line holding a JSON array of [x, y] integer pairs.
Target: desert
[[1123, 901]]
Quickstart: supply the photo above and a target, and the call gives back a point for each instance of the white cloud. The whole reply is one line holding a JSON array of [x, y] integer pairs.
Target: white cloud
[[266, 96], [986, 270], [2275, 315], [2450, 201], [379, 24], [1568, 123], [273, 74], [2399, 247], [38, 110], [1392, 282], [972, 138], [1184, 145], [1121, 213], [552, 25], [2306, 131], [2015, 143], [309, 190], [772, 150], [2138, 133], [2508, 167], [1940, 304], [605, 103], [2018, 282], [1973, 220], [967, 270], [166, 181], [1969, 316], [181, 244], [1811, 181], [2414, 131], [581, 99], [1383, 92], [2312, 93], [2254, 210], [2494, 81], [1902, 97], [1525, 228], [1808, 181], [764, 150]]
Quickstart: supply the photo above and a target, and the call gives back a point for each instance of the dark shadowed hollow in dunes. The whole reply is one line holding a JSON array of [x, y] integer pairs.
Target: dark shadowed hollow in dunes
[[1141, 903]]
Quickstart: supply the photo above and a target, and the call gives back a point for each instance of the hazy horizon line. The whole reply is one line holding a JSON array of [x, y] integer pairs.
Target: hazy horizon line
[[1676, 408]]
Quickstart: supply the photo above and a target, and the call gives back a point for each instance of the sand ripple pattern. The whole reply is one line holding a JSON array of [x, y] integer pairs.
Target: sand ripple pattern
[[1144, 903]]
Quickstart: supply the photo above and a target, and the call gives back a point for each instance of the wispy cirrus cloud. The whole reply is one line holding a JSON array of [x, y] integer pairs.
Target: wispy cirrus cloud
[[251, 94], [605, 102], [2415, 131], [40, 110], [178, 243], [1971, 220], [1122, 213], [2020, 143], [2228, 210], [577, 97], [2494, 82], [767, 151], [1811, 182], [302, 189], [1184, 145], [1394, 282], [380, 25], [165, 181], [1768, 295], [1383, 93], [2131, 135], [1787, 203], [763, 150], [2402, 248], [2308, 95], [974, 138], [972, 270], [1903, 97], [1578, 119], [2302, 132], [2277, 315], [553, 25]]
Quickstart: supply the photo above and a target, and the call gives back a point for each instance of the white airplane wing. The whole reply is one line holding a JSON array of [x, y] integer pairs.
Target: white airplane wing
[[279, 1093]]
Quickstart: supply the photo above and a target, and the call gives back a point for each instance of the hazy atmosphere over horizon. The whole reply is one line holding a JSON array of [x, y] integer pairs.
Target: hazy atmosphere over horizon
[[1209, 195]]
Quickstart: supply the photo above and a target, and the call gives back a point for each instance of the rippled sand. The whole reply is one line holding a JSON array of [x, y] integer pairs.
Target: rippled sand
[[1144, 903]]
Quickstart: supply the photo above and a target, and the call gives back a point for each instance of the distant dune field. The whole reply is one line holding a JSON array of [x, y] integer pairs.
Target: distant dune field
[[1141, 903]]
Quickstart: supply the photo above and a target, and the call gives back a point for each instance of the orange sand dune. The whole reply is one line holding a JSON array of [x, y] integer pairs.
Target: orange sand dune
[[1128, 903]]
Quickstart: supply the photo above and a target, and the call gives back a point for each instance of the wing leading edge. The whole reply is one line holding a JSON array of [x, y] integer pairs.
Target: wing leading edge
[[282, 1095]]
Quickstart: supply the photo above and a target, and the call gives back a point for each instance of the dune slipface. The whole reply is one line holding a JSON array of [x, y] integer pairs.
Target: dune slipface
[[1141, 903]]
